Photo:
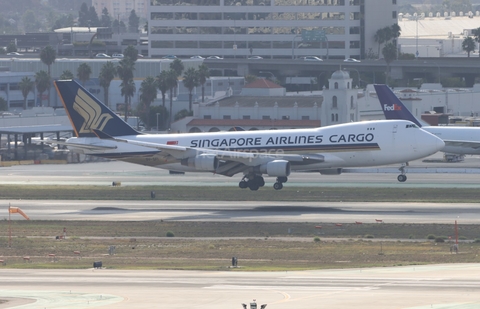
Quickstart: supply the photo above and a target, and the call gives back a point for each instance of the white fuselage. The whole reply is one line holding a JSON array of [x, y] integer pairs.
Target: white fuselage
[[466, 134], [358, 144]]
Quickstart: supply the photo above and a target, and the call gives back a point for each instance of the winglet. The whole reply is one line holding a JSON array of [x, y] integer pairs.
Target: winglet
[[391, 105], [87, 113]]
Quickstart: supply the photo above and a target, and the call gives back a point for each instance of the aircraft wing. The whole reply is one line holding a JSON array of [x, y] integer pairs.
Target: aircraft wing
[[465, 144], [91, 147], [247, 158]]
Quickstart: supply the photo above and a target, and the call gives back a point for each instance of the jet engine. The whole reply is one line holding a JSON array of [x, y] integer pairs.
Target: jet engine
[[278, 168], [203, 162]]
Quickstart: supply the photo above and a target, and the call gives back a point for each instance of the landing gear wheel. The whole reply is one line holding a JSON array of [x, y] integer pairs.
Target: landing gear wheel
[[278, 186], [260, 181], [282, 179], [402, 178], [243, 184], [253, 185]]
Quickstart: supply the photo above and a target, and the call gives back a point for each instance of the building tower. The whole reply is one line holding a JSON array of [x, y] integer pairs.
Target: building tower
[[339, 100]]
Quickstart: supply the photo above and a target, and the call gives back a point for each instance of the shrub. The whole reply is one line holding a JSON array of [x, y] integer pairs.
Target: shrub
[[462, 237], [411, 236], [170, 234], [369, 236], [316, 239], [431, 236], [439, 239], [477, 240]]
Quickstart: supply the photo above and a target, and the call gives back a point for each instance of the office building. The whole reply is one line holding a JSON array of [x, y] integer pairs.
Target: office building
[[267, 28]]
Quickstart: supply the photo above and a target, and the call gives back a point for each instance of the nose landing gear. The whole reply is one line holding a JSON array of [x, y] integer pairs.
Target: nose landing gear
[[402, 177], [279, 184]]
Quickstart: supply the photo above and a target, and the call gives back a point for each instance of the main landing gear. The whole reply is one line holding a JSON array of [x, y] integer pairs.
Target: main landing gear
[[254, 182], [402, 177]]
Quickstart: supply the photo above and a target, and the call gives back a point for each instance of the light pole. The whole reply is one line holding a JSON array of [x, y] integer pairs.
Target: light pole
[[157, 121], [416, 37]]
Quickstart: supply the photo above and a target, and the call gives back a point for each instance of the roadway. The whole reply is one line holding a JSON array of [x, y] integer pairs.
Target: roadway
[[454, 286]]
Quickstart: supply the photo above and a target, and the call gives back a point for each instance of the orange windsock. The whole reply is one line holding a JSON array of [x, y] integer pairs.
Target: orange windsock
[[14, 210]]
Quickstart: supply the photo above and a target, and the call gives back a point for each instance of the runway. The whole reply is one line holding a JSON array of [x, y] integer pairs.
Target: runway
[[413, 287], [453, 286]]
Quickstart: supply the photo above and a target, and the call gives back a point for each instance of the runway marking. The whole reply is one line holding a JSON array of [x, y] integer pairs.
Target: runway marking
[[449, 306], [61, 299]]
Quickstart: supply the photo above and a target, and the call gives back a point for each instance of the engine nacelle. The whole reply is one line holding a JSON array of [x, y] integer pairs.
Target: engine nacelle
[[277, 168], [331, 171], [203, 162]]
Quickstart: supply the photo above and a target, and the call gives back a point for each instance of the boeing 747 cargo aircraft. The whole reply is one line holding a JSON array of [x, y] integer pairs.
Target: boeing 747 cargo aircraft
[[275, 153]]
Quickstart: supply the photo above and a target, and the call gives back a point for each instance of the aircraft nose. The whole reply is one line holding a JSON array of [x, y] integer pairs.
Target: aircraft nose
[[436, 142]]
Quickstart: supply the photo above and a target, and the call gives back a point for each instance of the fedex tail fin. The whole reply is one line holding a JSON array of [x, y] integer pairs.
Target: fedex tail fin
[[392, 107], [87, 113]]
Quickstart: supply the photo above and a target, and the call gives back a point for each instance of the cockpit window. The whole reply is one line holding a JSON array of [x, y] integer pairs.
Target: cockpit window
[[411, 126]]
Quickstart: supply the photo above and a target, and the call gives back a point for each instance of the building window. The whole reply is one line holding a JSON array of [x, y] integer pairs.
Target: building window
[[305, 117], [394, 1], [336, 117], [348, 85], [394, 14], [207, 116], [285, 117], [227, 117], [266, 117], [335, 85], [246, 117], [334, 102], [333, 117], [351, 103]]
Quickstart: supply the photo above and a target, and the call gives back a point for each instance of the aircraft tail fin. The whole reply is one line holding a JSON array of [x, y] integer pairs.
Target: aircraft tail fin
[[87, 113], [391, 105]]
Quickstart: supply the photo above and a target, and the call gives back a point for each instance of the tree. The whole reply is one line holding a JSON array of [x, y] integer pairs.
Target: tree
[[83, 15], [162, 83], [128, 90], [107, 74], [190, 81], [148, 93], [83, 72], [42, 82], [476, 34], [3, 104], [468, 45], [380, 38], [172, 82], [67, 74], [93, 20], [177, 66], [389, 53], [105, 20], [26, 86], [131, 52], [133, 22], [11, 47], [48, 56], [125, 70], [203, 75]]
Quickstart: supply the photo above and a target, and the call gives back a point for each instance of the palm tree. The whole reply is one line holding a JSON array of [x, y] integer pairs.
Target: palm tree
[[26, 86], [128, 90], [468, 45], [83, 72], [131, 52], [107, 74], [203, 75], [67, 74], [48, 56], [380, 38], [172, 84], [162, 82], [389, 53], [177, 66], [125, 70], [148, 93], [42, 82], [190, 81]]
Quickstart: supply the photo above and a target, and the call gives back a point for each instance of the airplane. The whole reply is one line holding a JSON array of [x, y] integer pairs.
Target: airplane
[[458, 140], [275, 153]]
